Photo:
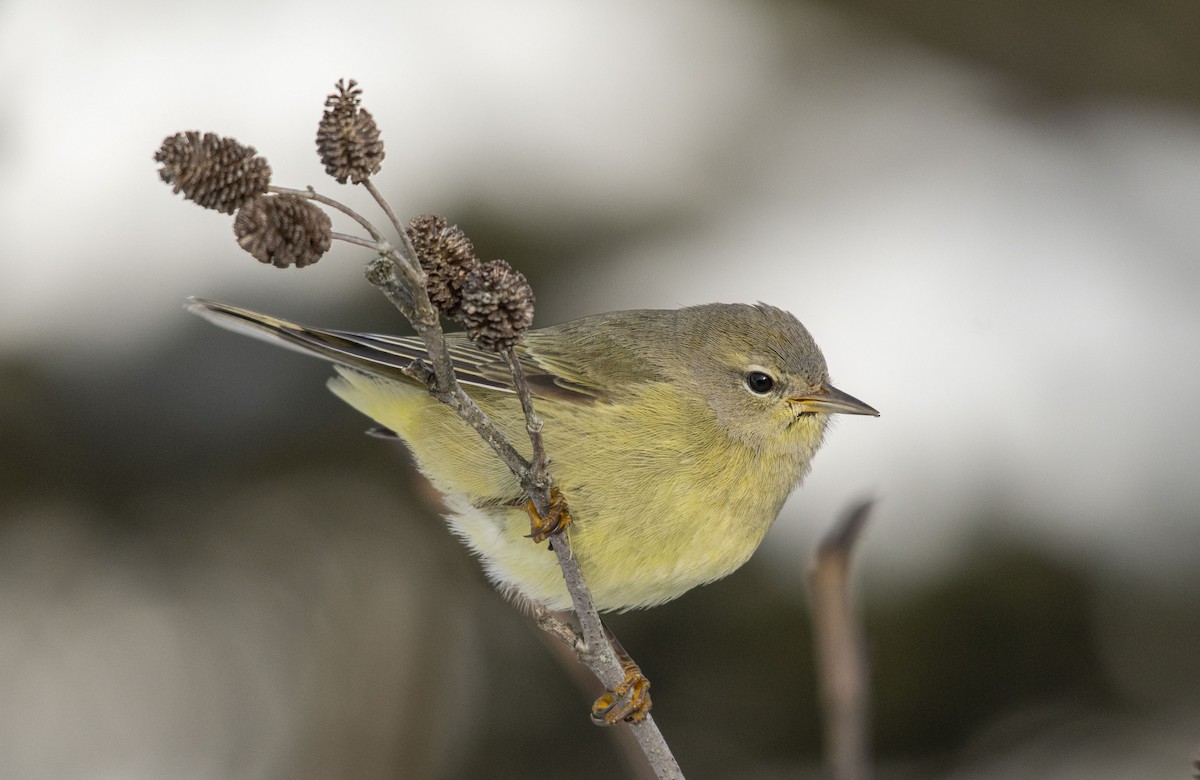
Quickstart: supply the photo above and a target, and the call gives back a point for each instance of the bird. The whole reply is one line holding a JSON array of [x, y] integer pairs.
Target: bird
[[674, 434]]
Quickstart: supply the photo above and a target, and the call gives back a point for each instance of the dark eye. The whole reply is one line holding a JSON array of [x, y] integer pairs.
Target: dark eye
[[759, 383]]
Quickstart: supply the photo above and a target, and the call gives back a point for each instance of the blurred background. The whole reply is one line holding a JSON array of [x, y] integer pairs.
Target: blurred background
[[984, 212]]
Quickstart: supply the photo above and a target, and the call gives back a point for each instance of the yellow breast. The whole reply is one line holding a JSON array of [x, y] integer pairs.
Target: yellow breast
[[663, 502]]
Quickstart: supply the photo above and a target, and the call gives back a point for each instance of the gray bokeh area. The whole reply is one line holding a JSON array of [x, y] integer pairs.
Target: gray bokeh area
[[985, 213]]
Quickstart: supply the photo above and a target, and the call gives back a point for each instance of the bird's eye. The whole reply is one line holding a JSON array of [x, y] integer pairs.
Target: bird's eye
[[759, 383]]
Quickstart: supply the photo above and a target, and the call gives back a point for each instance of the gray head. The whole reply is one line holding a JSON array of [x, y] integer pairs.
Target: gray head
[[761, 373]]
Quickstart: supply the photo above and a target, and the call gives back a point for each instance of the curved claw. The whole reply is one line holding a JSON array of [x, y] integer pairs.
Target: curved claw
[[628, 701], [542, 528]]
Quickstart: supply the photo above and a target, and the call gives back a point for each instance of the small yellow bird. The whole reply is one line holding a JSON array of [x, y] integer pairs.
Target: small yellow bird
[[674, 435]]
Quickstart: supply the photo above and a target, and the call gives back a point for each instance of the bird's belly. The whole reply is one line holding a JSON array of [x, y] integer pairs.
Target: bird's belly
[[628, 561]]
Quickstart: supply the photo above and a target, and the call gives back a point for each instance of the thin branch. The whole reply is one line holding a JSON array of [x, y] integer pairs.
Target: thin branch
[[397, 271], [558, 628], [363, 242], [540, 464], [404, 257], [596, 654], [841, 662], [312, 194], [381, 273], [565, 643], [387, 207]]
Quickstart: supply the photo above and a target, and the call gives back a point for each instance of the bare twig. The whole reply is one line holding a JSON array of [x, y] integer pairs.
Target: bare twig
[[558, 628], [224, 175], [397, 272], [312, 194], [539, 469], [350, 239], [565, 644], [440, 380], [387, 208], [841, 662], [596, 653]]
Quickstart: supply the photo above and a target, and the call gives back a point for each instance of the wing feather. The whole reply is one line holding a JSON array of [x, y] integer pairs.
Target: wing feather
[[388, 356]]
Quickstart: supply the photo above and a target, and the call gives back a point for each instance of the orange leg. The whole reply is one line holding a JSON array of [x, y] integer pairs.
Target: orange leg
[[542, 528], [628, 701]]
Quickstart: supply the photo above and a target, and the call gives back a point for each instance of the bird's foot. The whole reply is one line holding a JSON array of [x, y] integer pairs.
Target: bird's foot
[[628, 701], [557, 519]]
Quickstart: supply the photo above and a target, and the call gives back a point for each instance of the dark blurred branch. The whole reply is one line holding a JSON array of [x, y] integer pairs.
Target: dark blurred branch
[[841, 662]]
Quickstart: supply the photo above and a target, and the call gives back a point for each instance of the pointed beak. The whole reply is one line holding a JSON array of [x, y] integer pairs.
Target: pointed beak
[[829, 400]]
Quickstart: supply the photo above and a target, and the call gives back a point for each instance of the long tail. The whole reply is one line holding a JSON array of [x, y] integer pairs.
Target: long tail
[[374, 354], [371, 353]]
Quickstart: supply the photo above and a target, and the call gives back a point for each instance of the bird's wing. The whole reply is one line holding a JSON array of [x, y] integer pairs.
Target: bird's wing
[[388, 356]]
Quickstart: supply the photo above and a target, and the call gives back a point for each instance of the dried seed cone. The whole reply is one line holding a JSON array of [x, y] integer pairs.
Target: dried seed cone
[[283, 230], [217, 173], [347, 137], [497, 305], [446, 255]]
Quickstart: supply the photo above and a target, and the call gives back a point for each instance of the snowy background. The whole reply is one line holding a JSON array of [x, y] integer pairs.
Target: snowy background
[[988, 223]]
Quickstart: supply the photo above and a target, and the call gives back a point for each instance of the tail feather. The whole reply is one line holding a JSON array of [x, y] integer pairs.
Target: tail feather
[[361, 351], [371, 353]]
